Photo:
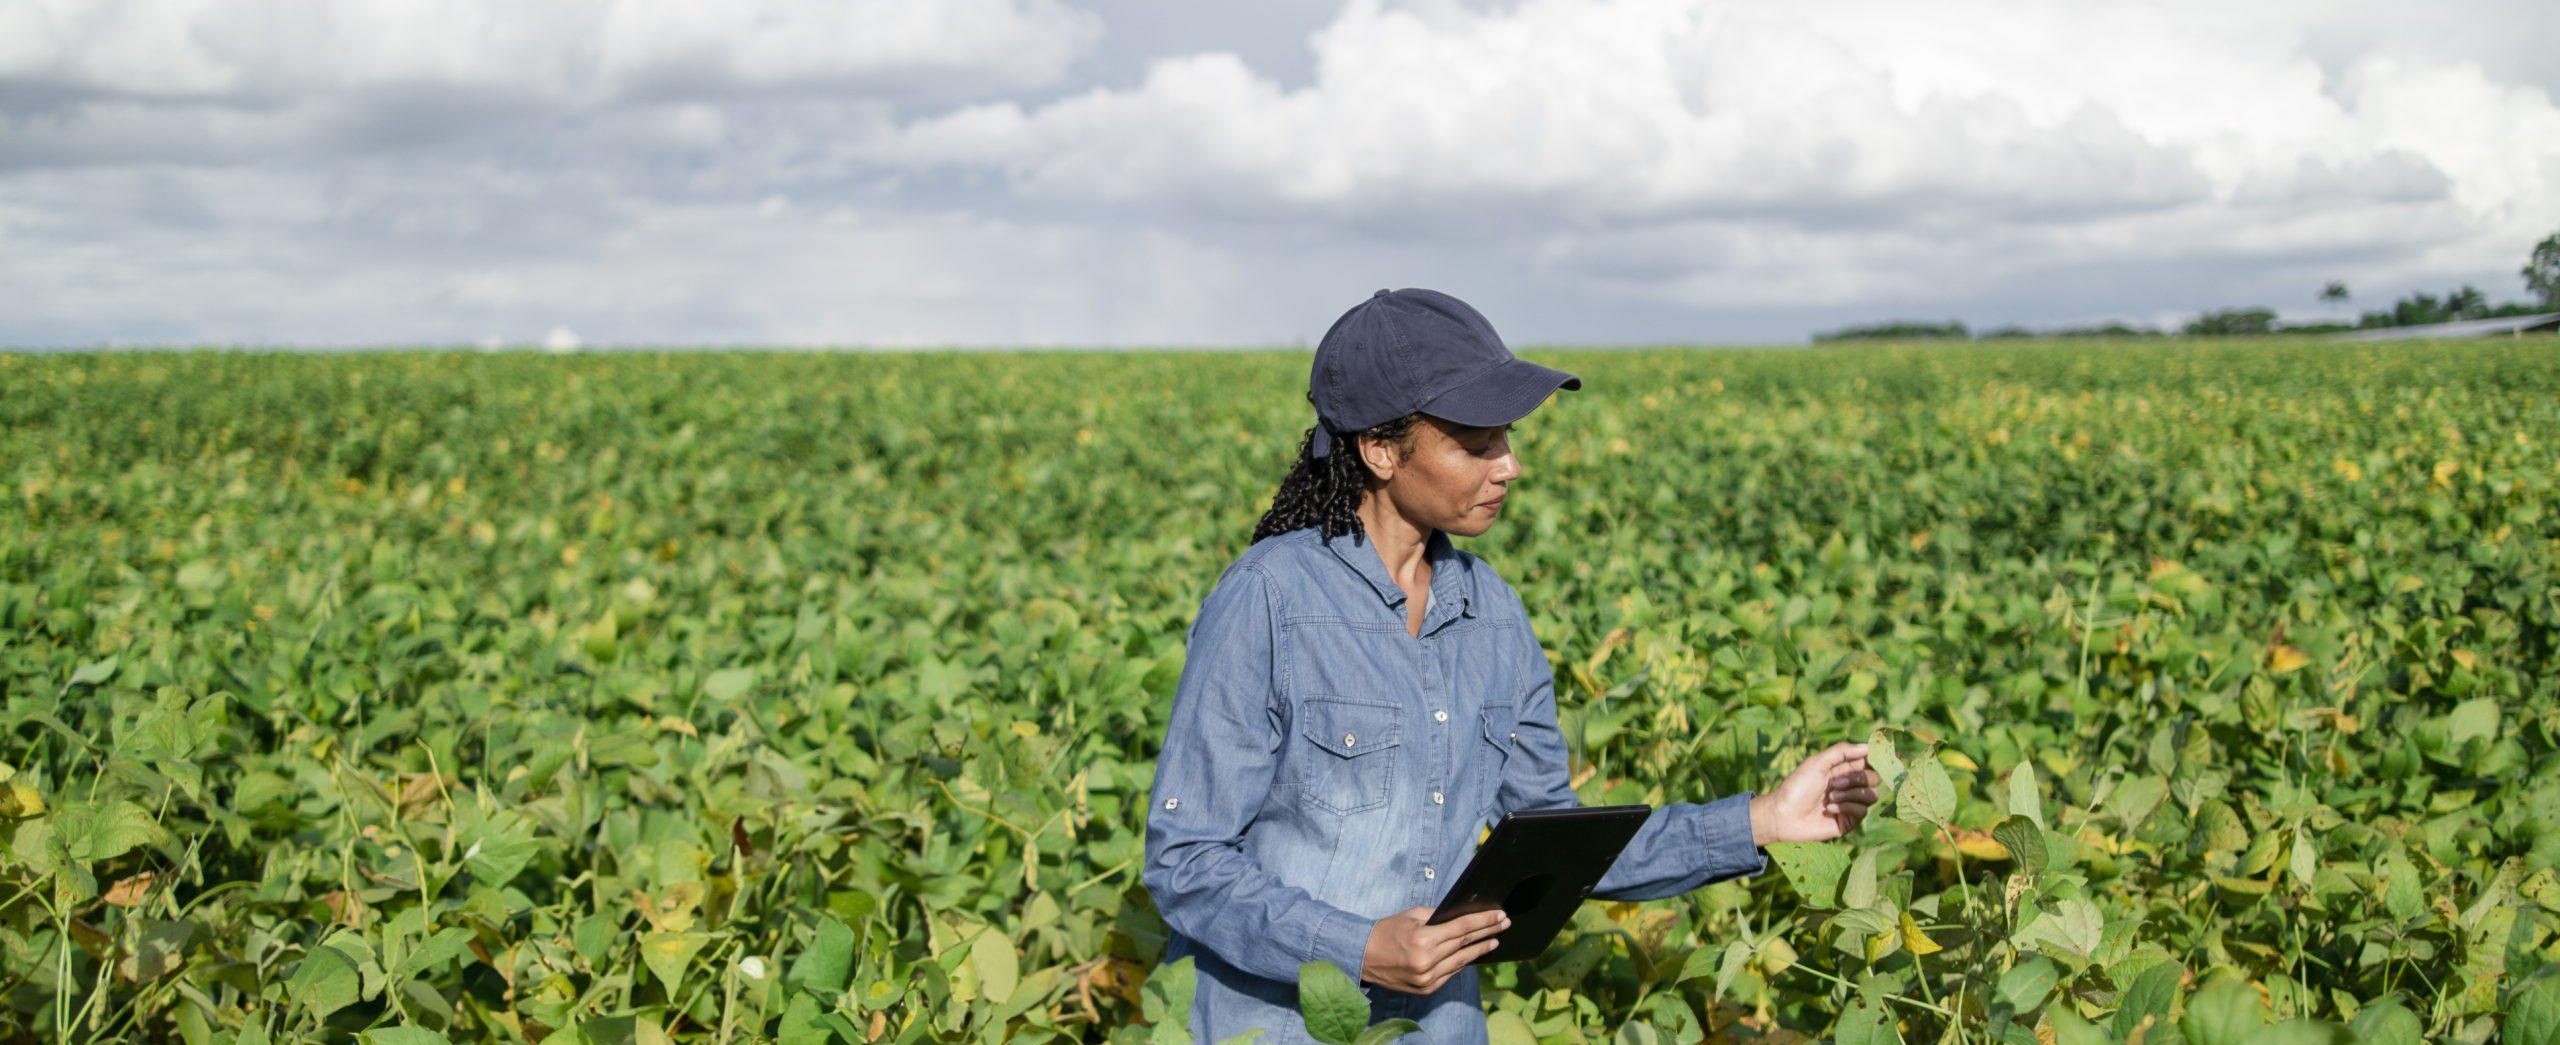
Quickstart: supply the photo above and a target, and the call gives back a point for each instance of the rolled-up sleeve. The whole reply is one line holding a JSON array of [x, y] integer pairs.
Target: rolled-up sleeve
[[1220, 757], [1682, 846]]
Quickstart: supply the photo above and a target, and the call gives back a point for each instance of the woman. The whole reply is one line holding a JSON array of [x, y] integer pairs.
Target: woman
[[1361, 698]]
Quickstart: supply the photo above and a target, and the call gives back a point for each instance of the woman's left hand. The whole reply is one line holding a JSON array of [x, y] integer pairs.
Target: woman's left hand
[[1823, 799]]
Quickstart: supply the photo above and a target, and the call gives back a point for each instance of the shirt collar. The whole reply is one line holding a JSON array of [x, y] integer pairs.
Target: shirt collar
[[1451, 584]]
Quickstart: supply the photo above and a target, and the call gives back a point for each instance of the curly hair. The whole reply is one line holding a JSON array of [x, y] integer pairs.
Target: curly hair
[[1325, 491]]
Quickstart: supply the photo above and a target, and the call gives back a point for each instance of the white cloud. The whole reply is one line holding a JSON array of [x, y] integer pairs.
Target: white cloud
[[1799, 152], [992, 171], [561, 51]]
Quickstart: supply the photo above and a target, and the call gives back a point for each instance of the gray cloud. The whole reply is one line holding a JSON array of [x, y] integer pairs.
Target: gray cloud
[[1019, 171]]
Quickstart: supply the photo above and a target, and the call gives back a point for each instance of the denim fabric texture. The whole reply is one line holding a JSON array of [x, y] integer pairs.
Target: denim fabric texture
[[1323, 768]]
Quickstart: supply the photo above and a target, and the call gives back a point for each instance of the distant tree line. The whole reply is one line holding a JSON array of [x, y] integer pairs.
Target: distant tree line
[[2541, 279]]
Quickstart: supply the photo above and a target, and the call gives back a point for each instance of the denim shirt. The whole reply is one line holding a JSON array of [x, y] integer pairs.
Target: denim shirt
[[1324, 768]]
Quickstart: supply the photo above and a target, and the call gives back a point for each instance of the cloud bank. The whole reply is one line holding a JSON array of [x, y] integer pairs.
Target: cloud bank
[[1019, 172]]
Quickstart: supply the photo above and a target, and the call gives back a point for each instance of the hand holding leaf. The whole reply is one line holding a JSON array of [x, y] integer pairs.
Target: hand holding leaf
[[1825, 798]]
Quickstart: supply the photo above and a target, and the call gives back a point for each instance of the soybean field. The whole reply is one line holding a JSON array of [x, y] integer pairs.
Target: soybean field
[[425, 697]]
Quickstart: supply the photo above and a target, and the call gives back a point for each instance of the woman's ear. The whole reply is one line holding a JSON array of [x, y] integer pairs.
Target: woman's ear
[[1378, 456]]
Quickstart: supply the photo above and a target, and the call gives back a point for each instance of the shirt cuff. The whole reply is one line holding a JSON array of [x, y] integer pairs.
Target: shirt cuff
[[1342, 938], [1726, 826]]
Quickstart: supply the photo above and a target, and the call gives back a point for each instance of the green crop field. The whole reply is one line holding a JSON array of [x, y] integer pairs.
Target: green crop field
[[431, 697]]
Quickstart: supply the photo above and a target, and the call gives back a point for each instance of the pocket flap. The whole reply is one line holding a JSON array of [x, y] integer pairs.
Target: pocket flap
[[1351, 730], [1500, 720]]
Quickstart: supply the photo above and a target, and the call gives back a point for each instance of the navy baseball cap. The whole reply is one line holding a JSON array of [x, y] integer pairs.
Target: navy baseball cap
[[1420, 351]]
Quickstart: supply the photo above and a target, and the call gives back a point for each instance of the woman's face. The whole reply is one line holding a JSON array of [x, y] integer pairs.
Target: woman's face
[[1454, 478]]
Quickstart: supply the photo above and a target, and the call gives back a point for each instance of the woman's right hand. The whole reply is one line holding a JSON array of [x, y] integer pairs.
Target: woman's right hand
[[1407, 954]]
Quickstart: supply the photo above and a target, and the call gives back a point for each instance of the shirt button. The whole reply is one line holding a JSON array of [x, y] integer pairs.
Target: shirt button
[[1440, 716], [1435, 799], [1173, 803], [1348, 740], [1429, 873]]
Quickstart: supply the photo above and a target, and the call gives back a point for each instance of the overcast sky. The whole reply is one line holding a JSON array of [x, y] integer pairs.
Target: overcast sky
[[1039, 172]]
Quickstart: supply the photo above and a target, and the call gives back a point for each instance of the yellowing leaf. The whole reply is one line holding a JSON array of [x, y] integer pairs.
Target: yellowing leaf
[[668, 953], [1980, 845], [18, 802], [1918, 942], [1955, 759], [2282, 659]]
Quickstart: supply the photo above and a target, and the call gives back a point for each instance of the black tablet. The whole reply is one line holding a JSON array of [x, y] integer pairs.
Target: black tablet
[[1537, 866]]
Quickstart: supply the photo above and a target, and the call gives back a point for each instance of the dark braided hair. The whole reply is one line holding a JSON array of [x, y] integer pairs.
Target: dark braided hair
[[1325, 491]]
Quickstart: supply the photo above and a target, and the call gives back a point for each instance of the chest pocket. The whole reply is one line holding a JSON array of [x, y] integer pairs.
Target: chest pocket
[[1501, 737], [1353, 767]]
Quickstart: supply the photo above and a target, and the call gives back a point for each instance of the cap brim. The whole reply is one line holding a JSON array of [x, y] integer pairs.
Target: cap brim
[[1501, 395]]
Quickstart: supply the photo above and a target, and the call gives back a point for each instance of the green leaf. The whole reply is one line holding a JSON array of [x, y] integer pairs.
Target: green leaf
[[94, 673], [1166, 999], [95, 833], [2402, 895], [2134, 798], [828, 963], [2306, 857], [2303, 1032], [2024, 986], [1859, 888], [2390, 1023], [804, 1023], [2071, 929], [1927, 795], [2153, 994], [2533, 1014], [2025, 798], [998, 964], [2025, 843], [1333, 1006], [1864, 1024], [668, 954], [1505, 1027], [325, 981], [2070, 1029], [1814, 868], [728, 684], [879, 994], [2225, 1012], [497, 846], [2475, 719], [434, 952], [404, 1036], [1386, 1031], [1886, 761]]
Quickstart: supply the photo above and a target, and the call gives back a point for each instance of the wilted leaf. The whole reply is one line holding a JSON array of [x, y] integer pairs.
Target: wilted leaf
[[132, 890]]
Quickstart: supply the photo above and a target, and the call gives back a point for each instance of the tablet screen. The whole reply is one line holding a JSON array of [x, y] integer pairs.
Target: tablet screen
[[1537, 866]]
